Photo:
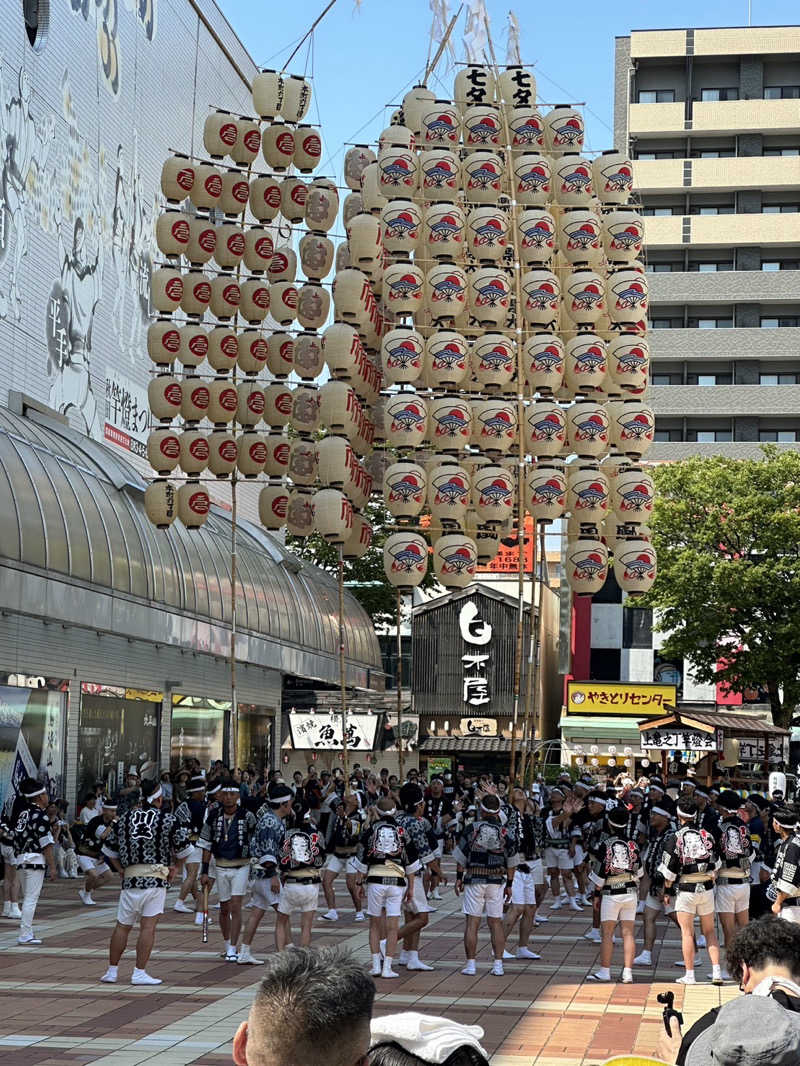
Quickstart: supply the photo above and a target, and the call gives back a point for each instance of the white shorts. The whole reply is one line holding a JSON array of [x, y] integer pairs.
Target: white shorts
[[523, 889], [262, 895], [195, 855], [654, 904], [558, 859], [298, 898], [419, 903], [7, 853], [232, 881], [580, 855], [90, 865], [791, 914], [733, 898], [620, 908], [336, 864], [389, 897], [479, 896], [140, 903], [699, 903]]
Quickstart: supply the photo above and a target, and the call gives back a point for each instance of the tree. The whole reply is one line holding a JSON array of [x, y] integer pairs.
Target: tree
[[727, 533]]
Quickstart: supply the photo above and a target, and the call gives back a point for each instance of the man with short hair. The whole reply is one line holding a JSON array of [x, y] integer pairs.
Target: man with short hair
[[90, 851], [344, 830], [616, 869], [732, 893], [662, 813], [32, 845], [192, 812], [785, 884], [267, 844], [300, 862], [312, 1006], [419, 831]]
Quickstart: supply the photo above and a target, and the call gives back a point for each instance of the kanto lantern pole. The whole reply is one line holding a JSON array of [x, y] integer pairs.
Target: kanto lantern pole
[[307, 34], [234, 744], [400, 759], [343, 674], [530, 723]]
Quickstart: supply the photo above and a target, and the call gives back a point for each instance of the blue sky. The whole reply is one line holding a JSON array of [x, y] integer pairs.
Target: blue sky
[[362, 60]]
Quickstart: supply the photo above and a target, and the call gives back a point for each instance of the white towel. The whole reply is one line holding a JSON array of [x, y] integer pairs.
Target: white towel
[[432, 1039]]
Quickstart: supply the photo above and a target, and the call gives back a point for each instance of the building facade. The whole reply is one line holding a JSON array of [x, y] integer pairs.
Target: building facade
[[712, 120]]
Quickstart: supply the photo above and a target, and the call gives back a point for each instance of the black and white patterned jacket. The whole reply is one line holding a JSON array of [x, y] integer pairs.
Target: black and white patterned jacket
[[148, 836]]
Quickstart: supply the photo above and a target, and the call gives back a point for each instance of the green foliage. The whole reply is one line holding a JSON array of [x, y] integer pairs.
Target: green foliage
[[727, 534]]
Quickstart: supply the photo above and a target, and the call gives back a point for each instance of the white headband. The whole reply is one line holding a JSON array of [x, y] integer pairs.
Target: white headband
[[154, 795], [430, 1038], [489, 810], [388, 814], [33, 795]]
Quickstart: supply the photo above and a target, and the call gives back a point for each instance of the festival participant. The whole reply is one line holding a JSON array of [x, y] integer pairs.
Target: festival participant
[[148, 847], [227, 835], [267, 844], [593, 825], [10, 881], [32, 847], [439, 812], [388, 861], [559, 849], [486, 861], [419, 831], [689, 862], [525, 829], [90, 851], [192, 812], [784, 886], [732, 893], [616, 869], [300, 861], [344, 830], [707, 817], [662, 815]]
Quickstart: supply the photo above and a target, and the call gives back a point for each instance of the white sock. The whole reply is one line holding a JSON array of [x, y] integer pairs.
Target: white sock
[[228, 948], [716, 971], [627, 971], [690, 974], [412, 956], [376, 959], [604, 972], [136, 971], [387, 962]]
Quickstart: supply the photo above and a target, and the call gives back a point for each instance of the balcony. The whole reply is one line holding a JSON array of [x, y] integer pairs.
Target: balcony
[[646, 44], [708, 175], [720, 231], [724, 344], [744, 116], [657, 118], [671, 452], [722, 401], [726, 286], [747, 40], [664, 231]]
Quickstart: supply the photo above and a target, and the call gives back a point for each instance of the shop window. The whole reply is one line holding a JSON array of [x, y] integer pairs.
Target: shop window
[[32, 733], [198, 729], [37, 22], [118, 729]]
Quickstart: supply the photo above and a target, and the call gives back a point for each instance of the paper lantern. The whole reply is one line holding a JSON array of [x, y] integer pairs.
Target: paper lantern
[[166, 289], [396, 134], [195, 398], [588, 493], [487, 228], [584, 297], [494, 425], [277, 145], [229, 246], [164, 395], [445, 292], [489, 296], [247, 144], [300, 513], [482, 176], [235, 192], [587, 565], [339, 407], [356, 160], [341, 343], [194, 451], [494, 361], [455, 558], [398, 171], [207, 186], [322, 205], [450, 420], [416, 103], [585, 363], [629, 361], [635, 566], [543, 361], [307, 149], [163, 342], [632, 428], [443, 231], [351, 296], [402, 355], [533, 179], [309, 356], [194, 504], [541, 297], [399, 229], [545, 429], [405, 560], [225, 296], [545, 491], [273, 505], [160, 504], [515, 88], [493, 492], [193, 347], [403, 288], [482, 126], [572, 180], [352, 205], [253, 351], [359, 541], [613, 177], [623, 235], [474, 84], [335, 456], [296, 98], [439, 173], [303, 462], [172, 233], [177, 178], [526, 126], [283, 302], [196, 293], [333, 516], [305, 410], [563, 130], [266, 198], [405, 486], [223, 454], [252, 406], [283, 264], [163, 450], [587, 429], [294, 195], [446, 359], [580, 238], [251, 455], [223, 349], [486, 538], [364, 236], [537, 237], [405, 420], [449, 492], [633, 495], [313, 305], [371, 189], [277, 460], [316, 256], [268, 92], [627, 297], [441, 124], [223, 401]]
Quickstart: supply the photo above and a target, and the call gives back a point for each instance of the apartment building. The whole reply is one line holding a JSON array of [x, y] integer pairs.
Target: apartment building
[[712, 119]]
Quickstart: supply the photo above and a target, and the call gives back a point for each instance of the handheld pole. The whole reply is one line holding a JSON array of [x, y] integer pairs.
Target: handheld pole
[[205, 914]]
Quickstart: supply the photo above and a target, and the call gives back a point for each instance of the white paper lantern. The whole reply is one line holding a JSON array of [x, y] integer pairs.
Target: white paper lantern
[[572, 179], [489, 296], [455, 558], [223, 349], [405, 420], [223, 401], [545, 429], [339, 407], [537, 237], [445, 292], [439, 173], [586, 363], [613, 177], [474, 84], [177, 178], [372, 192], [494, 361], [543, 360], [487, 227], [449, 492], [541, 297], [251, 449], [356, 160], [545, 491], [305, 410], [163, 342], [248, 142], [351, 296], [402, 355], [493, 495], [629, 361], [316, 256], [446, 359], [196, 296], [253, 349], [358, 543], [580, 236], [296, 98], [252, 406], [207, 187], [223, 454], [405, 560], [266, 197], [404, 288], [515, 88], [309, 356], [229, 247], [161, 504], [307, 149], [584, 294], [633, 495], [482, 176], [225, 296], [588, 493], [294, 196], [235, 192], [405, 487], [635, 566], [277, 461], [526, 127], [533, 179], [398, 171], [172, 233], [166, 289], [268, 90], [333, 516], [300, 513], [564, 130], [588, 429], [313, 305], [194, 504], [273, 505], [494, 425], [623, 235], [283, 302], [483, 127], [195, 398], [194, 451], [587, 566], [450, 421], [628, 297], [341, 342], [163, 450], [633, 428], [399, 230], [440, 125], [303, 462]]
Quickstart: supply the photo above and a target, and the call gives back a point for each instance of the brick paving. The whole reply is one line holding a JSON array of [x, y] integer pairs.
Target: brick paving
[[54, 1011]]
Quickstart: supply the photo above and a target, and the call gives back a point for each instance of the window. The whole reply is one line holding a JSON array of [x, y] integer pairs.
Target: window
[[712, 268], [658, 153], [665, 379], [780, 264], [781, 92], [778, 323], [781, 151], [661, 211], [780, 209], [712, 95], [637, 627], [37, 22], [709, 379], [779, 379], [656, 96], [666, 436], [711, 209], [711, 323], [710, 436], [666, 323], [780, 436], [662, 268], [713, 153]]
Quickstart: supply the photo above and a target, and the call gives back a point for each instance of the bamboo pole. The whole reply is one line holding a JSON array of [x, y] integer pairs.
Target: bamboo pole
[[399, 645], [430, 66], [307, 34], [531, 666], [343, 675]]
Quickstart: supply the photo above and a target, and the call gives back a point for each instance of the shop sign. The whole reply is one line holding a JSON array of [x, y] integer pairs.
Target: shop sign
[[150, 696], [778, 749], [691, 740], [478, 634], [478, 727], [324, 732], [752, 749], [89, 688], [616, 697], [440, 764], [127, 414]]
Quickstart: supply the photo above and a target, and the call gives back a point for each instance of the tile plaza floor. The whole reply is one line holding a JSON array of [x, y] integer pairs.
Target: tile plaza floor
[[53, 1010]]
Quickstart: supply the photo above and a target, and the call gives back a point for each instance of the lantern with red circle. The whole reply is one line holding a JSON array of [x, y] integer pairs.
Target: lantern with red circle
[[546, 491]]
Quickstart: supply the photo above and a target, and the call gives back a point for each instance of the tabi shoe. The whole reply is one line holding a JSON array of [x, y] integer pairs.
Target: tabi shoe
[[540, 919], [416, 963], [526, 953], [436, 894], [14, 911], [246, 956], [332, 915], [574, 905], [86, 897], [198, 918], [231, 956], [181, 907], [627, 977], [28, 940], [359, 916], [594, 935], [387, 973], [556, 905], [376, 966], [701, 940], [508, 954], [110, 976], [687, 979], [497, 968], [469, 969], [142, 977], [602, 975], [645, 958]]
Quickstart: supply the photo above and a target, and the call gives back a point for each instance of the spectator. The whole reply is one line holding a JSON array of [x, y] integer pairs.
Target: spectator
[[166, 788], [412, 1039], [311, 1005], [89, 808]]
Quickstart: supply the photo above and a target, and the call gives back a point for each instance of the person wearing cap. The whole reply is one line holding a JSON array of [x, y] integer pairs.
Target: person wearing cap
[[732, 892], [439, 812], [420, 832], [33, 847], [149, 848], [662, 819], [559, 849], [90, 850], [784, 885], [388, 861], [227, 835], [616, 869], [527, 888], [486, 859], [689, 863], [344, 829], [267, 844], [192, 813], [300, 863]]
